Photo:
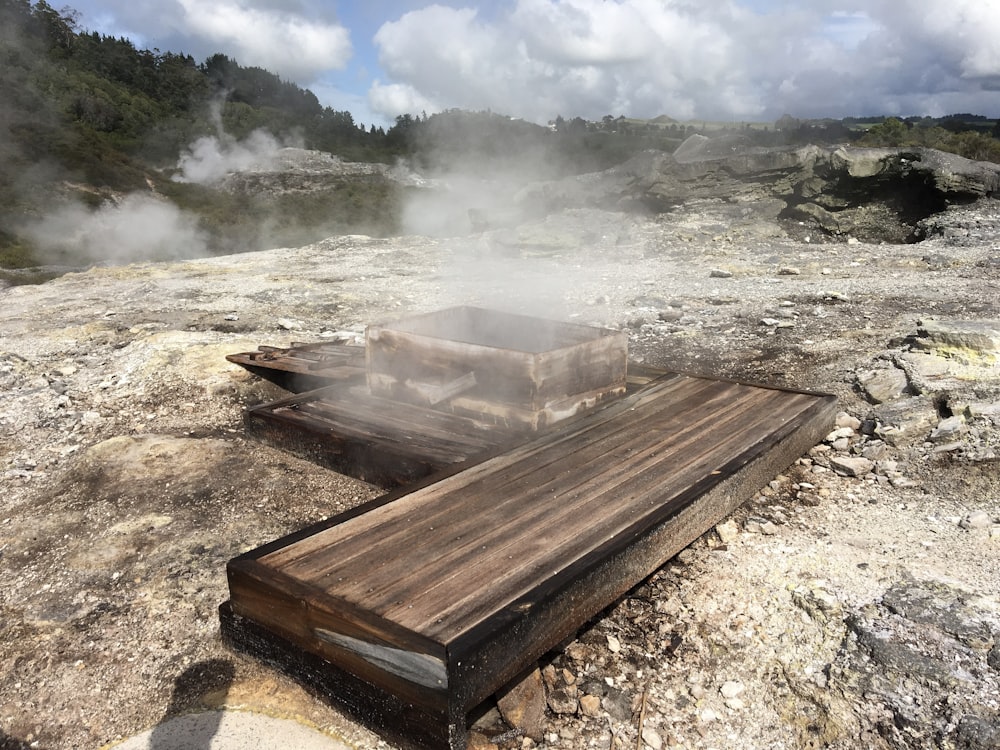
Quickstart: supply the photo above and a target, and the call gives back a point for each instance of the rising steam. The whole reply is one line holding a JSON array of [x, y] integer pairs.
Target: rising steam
[[138, 228], [211, 158]]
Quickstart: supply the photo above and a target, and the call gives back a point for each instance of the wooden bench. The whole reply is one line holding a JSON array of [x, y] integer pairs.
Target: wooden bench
[[418, 606]]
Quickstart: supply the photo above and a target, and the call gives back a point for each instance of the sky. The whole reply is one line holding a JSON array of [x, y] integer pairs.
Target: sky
[[732, 60]]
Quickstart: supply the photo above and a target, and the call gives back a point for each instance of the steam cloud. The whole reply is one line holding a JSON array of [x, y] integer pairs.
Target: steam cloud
[[139, 228], [211, 158]]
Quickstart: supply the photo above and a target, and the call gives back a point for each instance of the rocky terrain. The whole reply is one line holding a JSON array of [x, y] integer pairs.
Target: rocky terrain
[[853, 602]]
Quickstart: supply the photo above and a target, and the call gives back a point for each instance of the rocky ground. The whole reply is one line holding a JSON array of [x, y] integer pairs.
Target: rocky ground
[[853, 602]]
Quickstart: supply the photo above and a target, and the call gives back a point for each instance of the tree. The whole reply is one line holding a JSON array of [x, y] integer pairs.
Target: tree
[[892, 132]]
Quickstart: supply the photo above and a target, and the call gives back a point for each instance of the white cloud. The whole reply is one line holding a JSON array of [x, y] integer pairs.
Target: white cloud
[[390, 99], [289, 44], [295, 39], [719, 59]]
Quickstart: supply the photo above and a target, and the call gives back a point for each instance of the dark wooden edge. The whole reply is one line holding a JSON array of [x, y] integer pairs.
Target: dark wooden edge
[[396, 720], [497, 649], [252, 577]]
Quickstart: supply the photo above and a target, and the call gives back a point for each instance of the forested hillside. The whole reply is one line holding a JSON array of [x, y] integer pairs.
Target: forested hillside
[[85, 116]]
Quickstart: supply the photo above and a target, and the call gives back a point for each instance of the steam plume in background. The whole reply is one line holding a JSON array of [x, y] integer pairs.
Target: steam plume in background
[[211, 158], [138, 228]]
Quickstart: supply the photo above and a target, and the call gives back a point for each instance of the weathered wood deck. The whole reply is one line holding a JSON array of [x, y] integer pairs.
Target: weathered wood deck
[[429, 599]]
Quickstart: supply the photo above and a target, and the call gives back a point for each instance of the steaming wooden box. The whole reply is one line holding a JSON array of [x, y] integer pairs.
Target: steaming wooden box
[[515, 370]]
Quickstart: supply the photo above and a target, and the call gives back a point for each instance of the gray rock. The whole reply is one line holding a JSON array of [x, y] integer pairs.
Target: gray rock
[[905, 421], [884, 385], [980, 336], [875, 450], [978, 733], [851, 466], [976, 520], [618, 704], [993, 658], [947, 430], [929, 366]]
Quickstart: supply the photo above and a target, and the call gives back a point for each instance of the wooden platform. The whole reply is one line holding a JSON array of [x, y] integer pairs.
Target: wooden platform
[[426, 601]]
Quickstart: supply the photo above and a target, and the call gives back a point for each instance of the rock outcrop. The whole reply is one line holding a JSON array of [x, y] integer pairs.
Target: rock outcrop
[[871, 194]]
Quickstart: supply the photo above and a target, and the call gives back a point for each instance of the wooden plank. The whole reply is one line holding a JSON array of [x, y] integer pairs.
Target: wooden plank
[[500, 647], [461, 582], [397, 516], [523, 495], [512, 540]]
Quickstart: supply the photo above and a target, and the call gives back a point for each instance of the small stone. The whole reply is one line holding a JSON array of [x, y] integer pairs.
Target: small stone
[[732, 688], [947, 430], [614, 645], [288, 324], [708, 715], [736, 704], [976, 520], [728, 532], [789, 271], [563, 701], [720, 273], [652, 738], [840, 432], [590, 705], [846, 420], [874, 451], [771, 322], [948, 447], [851, 466], [993, 657], [523, 705], [768, 529], [618, 704]]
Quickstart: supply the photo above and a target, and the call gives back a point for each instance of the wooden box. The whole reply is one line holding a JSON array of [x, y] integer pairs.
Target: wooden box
[[509, 369]]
